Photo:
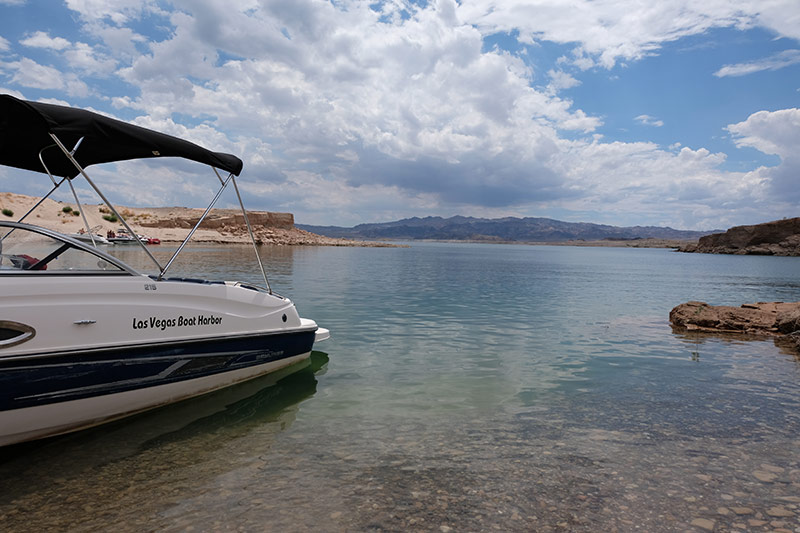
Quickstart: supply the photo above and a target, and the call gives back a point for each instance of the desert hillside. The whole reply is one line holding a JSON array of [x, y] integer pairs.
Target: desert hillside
[[509, 229], [170, 224]]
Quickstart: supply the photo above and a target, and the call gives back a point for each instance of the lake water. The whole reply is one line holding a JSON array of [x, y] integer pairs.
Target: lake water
[[465, 388]]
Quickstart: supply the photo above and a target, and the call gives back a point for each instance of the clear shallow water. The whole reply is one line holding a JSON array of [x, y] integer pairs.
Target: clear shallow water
[[468, 388]]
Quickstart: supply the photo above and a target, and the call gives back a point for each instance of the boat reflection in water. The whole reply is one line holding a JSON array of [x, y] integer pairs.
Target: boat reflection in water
[[145, 473], [267, 404]]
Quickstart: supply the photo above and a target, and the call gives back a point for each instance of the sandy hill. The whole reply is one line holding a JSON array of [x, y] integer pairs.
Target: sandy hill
[[170, 224]]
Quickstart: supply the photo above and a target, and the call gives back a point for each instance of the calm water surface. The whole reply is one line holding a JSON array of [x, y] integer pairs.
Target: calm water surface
[[465, 388]]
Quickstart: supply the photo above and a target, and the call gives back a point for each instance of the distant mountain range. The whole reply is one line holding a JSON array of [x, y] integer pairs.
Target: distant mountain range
[[510, 229]]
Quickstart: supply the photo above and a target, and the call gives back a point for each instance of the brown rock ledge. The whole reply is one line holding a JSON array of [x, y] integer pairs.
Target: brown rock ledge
[[772, 319], [779, 237]]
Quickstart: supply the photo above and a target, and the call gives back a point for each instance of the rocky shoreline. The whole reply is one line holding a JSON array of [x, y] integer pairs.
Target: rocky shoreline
[[172, 224], [780, 320], [779, 237]]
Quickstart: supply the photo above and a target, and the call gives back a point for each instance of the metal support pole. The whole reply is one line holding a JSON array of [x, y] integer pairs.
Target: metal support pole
[[45, 197], [83, 215], [41, 160], [77, 201], [103, 197], [216, 173], [252, 237], [186, 240]]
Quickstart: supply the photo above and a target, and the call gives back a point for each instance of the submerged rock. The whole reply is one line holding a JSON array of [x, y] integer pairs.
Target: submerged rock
[[762, 318], [788, 321]]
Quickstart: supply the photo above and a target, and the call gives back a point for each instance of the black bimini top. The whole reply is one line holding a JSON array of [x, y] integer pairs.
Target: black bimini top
[[25, 129]]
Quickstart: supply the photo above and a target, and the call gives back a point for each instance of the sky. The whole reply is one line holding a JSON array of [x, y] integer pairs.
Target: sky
[[672, 113]]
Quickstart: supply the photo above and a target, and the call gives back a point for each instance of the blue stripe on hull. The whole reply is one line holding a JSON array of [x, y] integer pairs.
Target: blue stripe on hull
[[57, 378]]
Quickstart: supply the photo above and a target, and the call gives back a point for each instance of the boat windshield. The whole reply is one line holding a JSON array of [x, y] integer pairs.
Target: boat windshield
[[23, 250]]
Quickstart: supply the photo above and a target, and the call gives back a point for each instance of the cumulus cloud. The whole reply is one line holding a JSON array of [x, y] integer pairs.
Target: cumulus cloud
[[83, 57], [29, 73], [121, 42], [405, 102], [771, 132], [41, 39], [79, 56], [639, 181], [778, 133], [783, 59]]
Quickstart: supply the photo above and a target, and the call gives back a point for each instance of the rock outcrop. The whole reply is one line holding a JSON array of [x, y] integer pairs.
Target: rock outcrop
[[175, 217], [780, 237], [773, 319]]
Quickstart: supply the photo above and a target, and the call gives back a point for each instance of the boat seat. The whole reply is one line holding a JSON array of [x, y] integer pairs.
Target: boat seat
[[23, 262]]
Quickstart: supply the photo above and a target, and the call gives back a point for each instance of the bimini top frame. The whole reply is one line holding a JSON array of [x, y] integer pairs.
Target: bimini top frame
[[36, 136]]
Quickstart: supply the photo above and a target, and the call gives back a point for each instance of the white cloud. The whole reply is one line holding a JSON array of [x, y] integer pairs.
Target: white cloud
[[85, 58], [638, 181], [79, 56], [29, 73], [5, 46], [560, 80], [117, 11], [771, 132], [122, 42], [774, 132], [782, 17], [421, 87], [783, 59], [613, 31], [41, 39], [647, 120], [76, 87]]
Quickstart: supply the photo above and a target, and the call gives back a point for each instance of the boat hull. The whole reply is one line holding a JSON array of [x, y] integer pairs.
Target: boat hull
[[93, 348], [61, 393]]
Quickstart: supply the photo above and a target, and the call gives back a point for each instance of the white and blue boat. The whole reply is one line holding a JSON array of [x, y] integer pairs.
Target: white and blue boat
[[85, 338]]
